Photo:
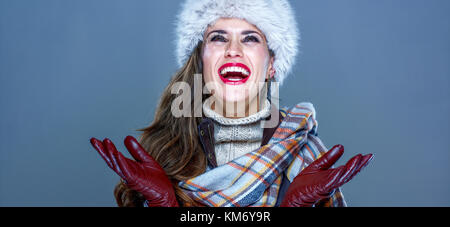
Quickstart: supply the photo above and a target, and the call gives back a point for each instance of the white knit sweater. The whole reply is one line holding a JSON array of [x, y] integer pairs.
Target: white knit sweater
[[234, 137]]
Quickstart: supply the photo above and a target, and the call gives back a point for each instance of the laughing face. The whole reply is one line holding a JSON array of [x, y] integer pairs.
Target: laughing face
[[235, 60]]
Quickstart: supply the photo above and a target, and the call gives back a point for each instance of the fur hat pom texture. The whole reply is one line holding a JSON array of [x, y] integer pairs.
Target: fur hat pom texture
[[275, 18]]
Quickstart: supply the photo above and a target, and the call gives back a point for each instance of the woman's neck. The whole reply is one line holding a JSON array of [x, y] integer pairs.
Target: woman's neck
[[236, 110], [249, 117]]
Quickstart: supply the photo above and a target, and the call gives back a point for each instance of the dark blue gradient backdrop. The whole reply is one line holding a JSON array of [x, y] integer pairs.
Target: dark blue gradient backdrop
[[377, 72]]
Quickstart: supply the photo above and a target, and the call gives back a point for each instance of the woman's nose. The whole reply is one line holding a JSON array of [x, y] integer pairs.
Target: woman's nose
[[233, 50]]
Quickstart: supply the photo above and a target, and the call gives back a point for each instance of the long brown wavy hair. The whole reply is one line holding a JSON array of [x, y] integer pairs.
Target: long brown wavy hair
[[173, 142]]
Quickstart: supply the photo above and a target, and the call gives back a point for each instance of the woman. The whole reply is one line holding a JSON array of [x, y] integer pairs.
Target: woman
[[242, 150]]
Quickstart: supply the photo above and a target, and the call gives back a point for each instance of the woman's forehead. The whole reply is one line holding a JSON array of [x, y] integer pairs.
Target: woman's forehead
[[232, 24]]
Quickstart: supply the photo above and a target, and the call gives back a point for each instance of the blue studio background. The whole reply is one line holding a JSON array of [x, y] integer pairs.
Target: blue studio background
[[377, 72]]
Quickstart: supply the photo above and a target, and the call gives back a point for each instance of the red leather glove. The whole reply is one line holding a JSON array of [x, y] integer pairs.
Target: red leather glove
[[144, 175], [319, 180]]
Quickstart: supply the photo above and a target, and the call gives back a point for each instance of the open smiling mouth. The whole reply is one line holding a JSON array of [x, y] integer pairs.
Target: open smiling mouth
[[234, 73]]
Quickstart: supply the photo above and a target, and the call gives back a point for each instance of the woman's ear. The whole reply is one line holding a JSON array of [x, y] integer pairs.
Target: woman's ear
[[271, 69]]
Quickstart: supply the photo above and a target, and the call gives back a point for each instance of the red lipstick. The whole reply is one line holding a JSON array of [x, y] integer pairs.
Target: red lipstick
[[234, 77]]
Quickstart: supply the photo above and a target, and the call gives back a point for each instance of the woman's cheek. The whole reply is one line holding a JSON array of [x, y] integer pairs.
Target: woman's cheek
[[211, 56]]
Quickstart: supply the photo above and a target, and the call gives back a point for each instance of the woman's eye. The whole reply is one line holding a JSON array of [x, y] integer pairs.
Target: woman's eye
[[218, 38], [251, 38]]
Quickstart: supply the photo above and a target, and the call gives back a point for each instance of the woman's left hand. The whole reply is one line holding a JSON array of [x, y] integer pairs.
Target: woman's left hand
[[319, 180]]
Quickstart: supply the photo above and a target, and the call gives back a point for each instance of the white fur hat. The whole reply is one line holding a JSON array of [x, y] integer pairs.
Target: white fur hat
[[274, 18]]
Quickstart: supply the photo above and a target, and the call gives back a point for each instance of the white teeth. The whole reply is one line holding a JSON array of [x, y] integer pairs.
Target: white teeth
[[234, 69]]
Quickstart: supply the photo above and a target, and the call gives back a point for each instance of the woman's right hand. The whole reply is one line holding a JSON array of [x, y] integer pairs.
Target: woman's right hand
[[144, 175]]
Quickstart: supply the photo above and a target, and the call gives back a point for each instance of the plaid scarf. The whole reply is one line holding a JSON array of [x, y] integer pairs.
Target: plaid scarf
[[254, 179]]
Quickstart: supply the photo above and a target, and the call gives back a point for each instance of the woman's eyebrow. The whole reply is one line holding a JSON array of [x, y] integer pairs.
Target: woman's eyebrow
[[246, 32], [218, 31]]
